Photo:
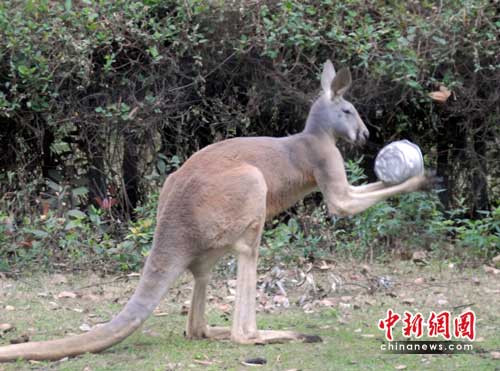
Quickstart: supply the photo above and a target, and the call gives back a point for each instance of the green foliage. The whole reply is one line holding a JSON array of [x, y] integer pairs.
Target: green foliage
[[287, 242], [77, 239], [95, 78], [93, 91], [481, 235], [45, 240], [139, 239]]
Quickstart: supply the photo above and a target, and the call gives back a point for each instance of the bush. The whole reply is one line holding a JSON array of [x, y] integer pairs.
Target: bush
[[101, 100], [94, 93], [77, 240]]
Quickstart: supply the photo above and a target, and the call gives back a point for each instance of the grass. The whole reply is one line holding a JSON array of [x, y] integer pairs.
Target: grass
[[349, 330]]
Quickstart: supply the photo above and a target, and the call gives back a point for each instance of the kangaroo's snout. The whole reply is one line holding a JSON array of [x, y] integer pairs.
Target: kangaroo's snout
[[362, 136]]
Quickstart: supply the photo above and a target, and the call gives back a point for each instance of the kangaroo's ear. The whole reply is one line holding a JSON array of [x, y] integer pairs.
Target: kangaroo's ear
[[342, 82], [327, 77]]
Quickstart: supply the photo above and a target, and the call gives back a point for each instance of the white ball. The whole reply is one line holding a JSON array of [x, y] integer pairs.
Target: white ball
[[399, 161]]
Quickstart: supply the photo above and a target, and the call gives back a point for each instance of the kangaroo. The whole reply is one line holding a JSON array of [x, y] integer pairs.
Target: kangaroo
[[217, 203]]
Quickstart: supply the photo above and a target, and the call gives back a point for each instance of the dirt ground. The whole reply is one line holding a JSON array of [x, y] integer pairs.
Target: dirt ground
[[342, 302]]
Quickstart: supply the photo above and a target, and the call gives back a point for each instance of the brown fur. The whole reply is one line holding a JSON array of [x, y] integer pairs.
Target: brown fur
[[217, 202]]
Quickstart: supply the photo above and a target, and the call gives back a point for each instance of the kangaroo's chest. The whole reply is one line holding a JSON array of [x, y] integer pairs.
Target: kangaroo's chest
[[286, 189]]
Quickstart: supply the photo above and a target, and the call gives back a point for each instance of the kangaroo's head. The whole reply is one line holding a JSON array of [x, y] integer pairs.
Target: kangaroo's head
[[331, 113]]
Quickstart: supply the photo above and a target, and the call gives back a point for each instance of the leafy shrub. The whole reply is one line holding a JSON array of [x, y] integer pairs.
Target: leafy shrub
[[287, 242], [77, 239], [91, 92]]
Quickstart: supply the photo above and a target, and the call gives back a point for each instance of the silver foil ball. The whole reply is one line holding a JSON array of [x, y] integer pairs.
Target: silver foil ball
[[399, 161]]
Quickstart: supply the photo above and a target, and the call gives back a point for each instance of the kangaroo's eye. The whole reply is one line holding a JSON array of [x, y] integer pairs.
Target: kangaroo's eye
[[346, 111]]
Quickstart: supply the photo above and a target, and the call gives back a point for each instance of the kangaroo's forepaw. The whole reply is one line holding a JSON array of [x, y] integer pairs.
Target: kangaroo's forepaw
[[431, 181]]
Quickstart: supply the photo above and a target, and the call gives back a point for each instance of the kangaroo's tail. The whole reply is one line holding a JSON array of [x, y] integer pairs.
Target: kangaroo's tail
[[160, 272]]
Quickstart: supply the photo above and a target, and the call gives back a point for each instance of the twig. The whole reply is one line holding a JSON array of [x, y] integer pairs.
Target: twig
[[463, 306], [101, 283], [356, 284]]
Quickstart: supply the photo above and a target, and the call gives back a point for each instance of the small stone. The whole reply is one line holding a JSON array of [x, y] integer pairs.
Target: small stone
[[6, 327]]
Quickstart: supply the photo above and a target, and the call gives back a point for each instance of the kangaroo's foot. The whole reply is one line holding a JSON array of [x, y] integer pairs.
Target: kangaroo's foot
[[210, 332], [259, 337], [274, 337]]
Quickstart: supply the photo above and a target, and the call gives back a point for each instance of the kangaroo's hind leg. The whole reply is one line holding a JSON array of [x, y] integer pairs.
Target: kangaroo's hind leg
[[201, 268], [244, 329]]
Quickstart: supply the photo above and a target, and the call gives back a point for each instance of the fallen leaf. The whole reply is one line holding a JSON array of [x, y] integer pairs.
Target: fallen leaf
[[226, 308], [491, 270], [400, 367], [495, 355], [54, 304], [6, 327], [85, 327], [344, 305], [442, 95], [324, 266], [281, 300], [160, 314], [419, 257], [66, 295], [371, 302], [328, 302], [419, 281], [204, 363], [9, 308], [442, 302], [409, 301]]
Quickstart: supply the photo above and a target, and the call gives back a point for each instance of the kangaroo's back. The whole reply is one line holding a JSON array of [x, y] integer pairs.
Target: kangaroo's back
[[285, 163]]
